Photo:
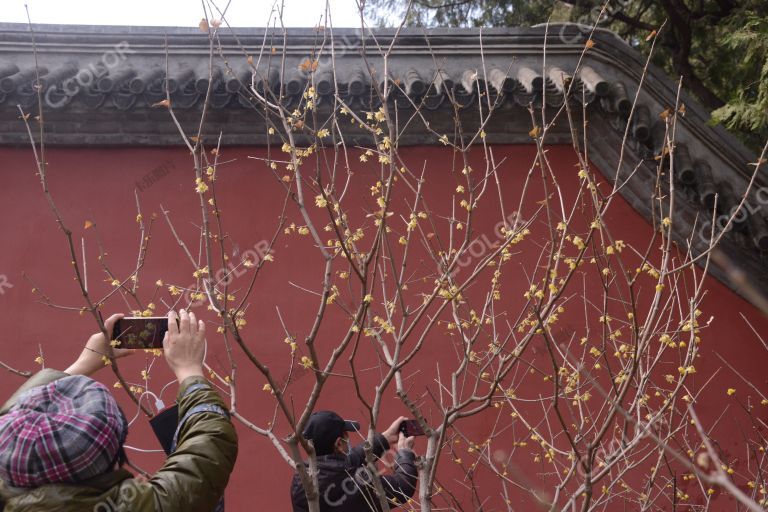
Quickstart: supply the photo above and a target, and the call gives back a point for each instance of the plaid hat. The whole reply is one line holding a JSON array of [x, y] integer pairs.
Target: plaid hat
[[64, 432], [324, 427]]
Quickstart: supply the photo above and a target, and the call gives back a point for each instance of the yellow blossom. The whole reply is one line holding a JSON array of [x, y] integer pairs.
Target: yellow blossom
[[200, 186], [379, 115], [731, 391], [200, 272]]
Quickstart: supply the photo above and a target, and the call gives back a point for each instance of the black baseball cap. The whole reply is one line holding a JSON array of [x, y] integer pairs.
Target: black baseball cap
[[324, 427]]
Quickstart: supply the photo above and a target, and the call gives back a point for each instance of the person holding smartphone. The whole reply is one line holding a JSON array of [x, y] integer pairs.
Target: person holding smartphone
[[344, 482], [62, 436]]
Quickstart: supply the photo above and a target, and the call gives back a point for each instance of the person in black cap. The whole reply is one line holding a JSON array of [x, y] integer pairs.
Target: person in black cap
[[344, 483]]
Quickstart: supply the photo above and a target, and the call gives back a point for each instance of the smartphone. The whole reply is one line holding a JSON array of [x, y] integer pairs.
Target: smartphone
[[411, 428], [137, 332]]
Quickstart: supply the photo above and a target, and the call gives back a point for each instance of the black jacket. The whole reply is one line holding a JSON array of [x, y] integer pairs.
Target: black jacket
[[345, 485]]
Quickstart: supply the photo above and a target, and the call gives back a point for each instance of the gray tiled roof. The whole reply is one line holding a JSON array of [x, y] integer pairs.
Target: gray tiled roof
[[103, 71]]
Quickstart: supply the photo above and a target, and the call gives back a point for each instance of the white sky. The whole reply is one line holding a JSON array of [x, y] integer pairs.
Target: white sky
[[177, 13]]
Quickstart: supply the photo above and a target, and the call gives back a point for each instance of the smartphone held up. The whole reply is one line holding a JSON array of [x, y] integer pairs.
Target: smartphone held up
[[411, 428], [137, 332]]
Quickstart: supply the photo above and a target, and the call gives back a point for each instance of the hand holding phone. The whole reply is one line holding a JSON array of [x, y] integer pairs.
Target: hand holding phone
[[97, 348], [185, 345]]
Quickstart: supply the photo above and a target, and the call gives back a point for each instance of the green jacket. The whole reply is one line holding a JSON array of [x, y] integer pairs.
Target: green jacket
[[192, 479]]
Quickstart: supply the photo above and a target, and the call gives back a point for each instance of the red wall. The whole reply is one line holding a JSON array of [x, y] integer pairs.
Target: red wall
[[98, 185]]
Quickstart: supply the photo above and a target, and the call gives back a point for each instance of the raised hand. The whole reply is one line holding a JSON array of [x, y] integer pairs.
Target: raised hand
[[184, 345]]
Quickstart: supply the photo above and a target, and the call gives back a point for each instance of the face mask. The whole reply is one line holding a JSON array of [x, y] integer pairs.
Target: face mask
[[347, 450]]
